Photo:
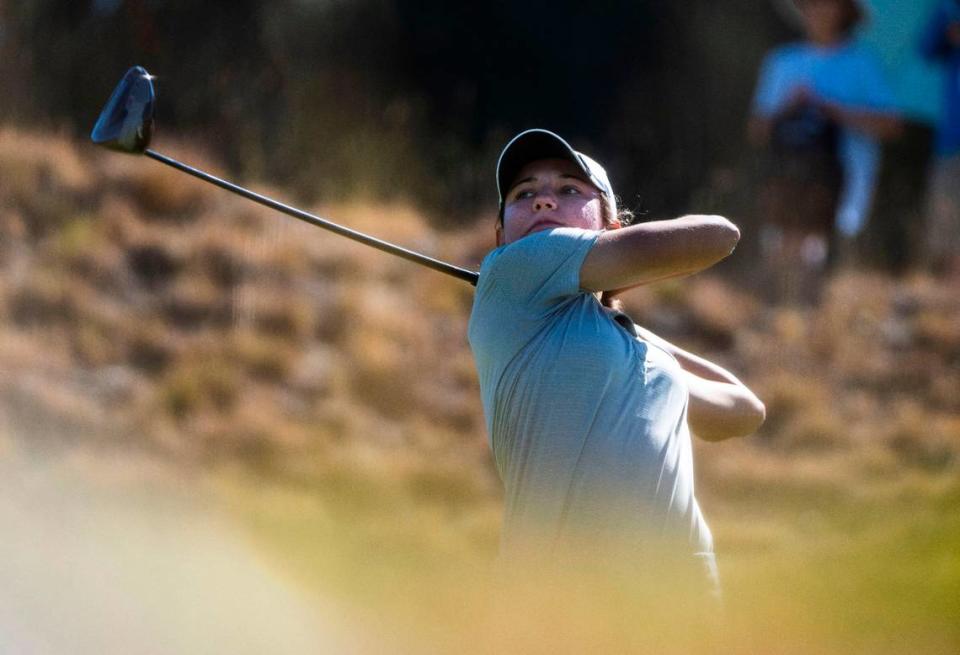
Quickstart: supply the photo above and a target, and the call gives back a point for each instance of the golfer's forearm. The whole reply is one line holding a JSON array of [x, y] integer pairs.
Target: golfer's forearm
[[721, 410], [639, 254], [666, 276], [721, 406], [689, 362], [705, 369]]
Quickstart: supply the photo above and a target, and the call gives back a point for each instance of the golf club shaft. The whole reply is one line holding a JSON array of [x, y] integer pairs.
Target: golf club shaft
[[429, 262]]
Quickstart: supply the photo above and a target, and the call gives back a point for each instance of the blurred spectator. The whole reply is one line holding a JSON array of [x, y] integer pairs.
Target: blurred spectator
[[893, 239], [941, 42], [820, 110]]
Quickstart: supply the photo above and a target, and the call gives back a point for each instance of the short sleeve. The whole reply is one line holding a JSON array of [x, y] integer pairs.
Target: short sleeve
[[538, 270], [877, 92], [523, 287]]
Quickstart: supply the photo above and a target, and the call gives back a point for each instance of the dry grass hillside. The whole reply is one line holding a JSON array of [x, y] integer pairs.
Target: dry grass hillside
[[327, 393]]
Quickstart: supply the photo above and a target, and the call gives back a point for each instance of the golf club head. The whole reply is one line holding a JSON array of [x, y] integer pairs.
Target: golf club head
[[126, 122]]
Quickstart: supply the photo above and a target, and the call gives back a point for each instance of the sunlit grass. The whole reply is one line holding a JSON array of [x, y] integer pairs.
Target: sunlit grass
[[869, 577]]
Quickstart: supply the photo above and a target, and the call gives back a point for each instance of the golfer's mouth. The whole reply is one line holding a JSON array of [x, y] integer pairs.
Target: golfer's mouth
[[544, 224]]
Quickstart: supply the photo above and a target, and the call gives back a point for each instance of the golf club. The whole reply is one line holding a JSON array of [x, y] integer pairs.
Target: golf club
[[126, 125]]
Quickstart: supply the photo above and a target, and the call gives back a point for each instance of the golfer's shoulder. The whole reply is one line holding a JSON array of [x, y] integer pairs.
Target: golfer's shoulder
[[541, 251], [536, 270]]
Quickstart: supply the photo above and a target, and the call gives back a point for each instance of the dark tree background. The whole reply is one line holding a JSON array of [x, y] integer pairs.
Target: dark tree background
[[412, 98]]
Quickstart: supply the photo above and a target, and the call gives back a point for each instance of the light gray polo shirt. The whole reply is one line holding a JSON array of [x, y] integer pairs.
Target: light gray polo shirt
[[587, 423]]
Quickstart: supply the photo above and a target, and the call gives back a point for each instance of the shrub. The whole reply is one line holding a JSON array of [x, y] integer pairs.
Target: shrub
[[718, 311], [149, 347], [95, 345], [923, 441], [268, 359], [197, 385], [939, 331], [46, 298], [153, 264], [224, 267], [789, 398], [165, 194], [816, 429], [284, 318], [44, 177], [192, 304]]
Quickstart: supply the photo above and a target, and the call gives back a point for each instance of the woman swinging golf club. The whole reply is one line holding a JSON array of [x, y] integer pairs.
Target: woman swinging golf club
[[589, 416]]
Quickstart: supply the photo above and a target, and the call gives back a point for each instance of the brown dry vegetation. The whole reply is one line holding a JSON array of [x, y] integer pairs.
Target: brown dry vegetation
[[141, 310]]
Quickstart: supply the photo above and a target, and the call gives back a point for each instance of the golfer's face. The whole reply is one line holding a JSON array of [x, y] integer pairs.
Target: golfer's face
[[550, 193]]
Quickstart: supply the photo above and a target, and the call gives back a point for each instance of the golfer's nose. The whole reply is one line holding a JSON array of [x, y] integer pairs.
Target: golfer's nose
[[544, 201]]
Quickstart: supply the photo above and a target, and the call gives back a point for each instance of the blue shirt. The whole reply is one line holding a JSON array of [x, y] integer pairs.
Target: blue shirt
[[935, 46], [850, 76], [587, 423]]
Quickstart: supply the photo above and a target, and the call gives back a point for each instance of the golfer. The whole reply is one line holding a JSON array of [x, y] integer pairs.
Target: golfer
[[589, 416]]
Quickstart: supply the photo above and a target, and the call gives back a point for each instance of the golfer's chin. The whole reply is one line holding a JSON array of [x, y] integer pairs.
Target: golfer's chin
[[539, 226]]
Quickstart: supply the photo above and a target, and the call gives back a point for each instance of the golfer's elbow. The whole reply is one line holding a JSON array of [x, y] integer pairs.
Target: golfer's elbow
[[730, 235], [724, 235], [754, 415]]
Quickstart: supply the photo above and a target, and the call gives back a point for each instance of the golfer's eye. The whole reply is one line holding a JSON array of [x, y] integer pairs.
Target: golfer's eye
[[570, 190], [523, 194]]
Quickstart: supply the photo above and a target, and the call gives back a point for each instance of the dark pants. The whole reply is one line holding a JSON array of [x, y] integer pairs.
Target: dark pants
[[893, 236]]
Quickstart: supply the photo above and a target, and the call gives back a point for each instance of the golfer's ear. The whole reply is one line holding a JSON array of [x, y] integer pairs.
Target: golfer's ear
[[499, 230]]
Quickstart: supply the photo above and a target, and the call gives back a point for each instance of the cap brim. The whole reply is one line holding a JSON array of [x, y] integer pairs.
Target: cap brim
[[530, 146]]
